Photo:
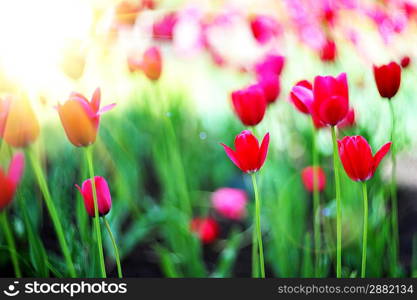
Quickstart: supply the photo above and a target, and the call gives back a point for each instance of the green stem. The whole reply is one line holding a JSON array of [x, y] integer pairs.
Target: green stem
[[255, 256], [338, 206], [116, 250], [11, 244], [89, 157], [316, 205], [365, 228], [52, 212], [393, 190], [258, 225]]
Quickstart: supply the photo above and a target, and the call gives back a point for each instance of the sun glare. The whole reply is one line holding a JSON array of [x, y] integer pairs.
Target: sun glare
[[33, 35]]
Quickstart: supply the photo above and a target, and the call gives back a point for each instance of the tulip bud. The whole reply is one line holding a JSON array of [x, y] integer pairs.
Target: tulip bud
[[206, 229], [19, 126], [388, 79], [405, 62], [328, 52], [302, 96], [152, 63], [264, 28], [103, 196], [9, 181], [250, 104], [331, 99], [248, 156], [307, 175], [357, 159], [230, 203], [271, 86], [81, 118]]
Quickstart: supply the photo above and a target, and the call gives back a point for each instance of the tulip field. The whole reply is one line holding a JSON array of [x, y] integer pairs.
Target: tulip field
[[214, 139]]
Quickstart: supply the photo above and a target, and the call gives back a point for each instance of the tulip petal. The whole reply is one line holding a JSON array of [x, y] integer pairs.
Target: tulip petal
[[380, 155], [263, 151], [16, 168], [232, 155], [304, 95], [95, 100], [106, 108]]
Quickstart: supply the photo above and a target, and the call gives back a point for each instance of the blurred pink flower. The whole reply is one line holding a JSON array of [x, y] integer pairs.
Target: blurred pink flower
[[10, 180], [230, 202], [163, 28], [264, 28], [103, 196]]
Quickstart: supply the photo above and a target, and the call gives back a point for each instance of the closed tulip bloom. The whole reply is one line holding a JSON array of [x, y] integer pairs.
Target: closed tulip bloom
[[357, 159], [230, 203], [405, 62], [81, 118], [248, 156], [152, 63], [271, 86], [388, 79], [250, 104], [331, 99], [206, 229], [271, 63], [264, 28], [10, 180], [302, 96], [103, 196], [307, 176], [19, 126], [328, 52]]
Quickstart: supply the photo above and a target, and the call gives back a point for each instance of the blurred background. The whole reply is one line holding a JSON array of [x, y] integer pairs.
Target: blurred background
[[159, 148]]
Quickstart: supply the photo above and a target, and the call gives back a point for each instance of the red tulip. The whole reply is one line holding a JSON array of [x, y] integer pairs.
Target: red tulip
[[81, 118], [405, 62], [152, 63], [10, 181], [250, 104], [349, 120], [19, 126], [302, 96], [163, 29], [271, 86], [272, 63], [357, 159], [328, 51], [230, 203], [264, 28], [331, 99], [248, 156], [307, 175], [388, 79], [207, 229], [103, 196]]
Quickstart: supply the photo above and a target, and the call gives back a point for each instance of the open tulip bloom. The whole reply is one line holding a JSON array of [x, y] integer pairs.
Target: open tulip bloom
[[250, 157], [360, 165]]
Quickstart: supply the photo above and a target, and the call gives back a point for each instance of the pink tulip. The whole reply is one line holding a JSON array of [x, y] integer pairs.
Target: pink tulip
[[230, 203], [103, 196], [10, 180]]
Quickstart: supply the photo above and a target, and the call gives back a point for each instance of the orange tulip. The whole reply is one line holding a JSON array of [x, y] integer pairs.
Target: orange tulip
[[81, 118], [19, 126]]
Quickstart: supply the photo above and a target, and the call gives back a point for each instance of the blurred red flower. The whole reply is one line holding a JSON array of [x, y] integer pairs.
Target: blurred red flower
[[230, 202], [103, 196], [10, 180], [81, 118], [271, 63], [357, 159], [307, 176], [331, 99], [388, 79], [264, 28], [328, 51], [271, 86], [405, 61], [248, 156], [206, 229], [250, 104]]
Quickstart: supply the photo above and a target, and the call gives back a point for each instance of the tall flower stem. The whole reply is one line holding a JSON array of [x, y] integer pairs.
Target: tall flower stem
[[89, 157], [11, 243], [393, 190], [365, 228], [316, 204], [40, 176], [116, 250], [255, 253], [338, 206], [258, 225]]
